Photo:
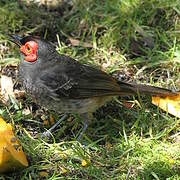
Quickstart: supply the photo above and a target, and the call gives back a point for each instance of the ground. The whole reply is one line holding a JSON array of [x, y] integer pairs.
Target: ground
[[132, 40]]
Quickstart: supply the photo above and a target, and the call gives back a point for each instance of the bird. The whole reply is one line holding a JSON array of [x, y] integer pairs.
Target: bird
[[62, 84]]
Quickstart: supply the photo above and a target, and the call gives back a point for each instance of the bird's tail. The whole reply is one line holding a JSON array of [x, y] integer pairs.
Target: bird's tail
[[129, 88]]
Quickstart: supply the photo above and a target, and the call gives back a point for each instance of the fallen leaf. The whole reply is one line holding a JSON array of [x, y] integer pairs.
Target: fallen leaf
[[26, 111], [128, 105], [6, 88], [19, 94], [45, 122], [51, 119], [76, 42], [43, 174]]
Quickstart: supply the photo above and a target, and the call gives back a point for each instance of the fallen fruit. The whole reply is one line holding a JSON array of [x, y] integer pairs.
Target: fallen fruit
[[170, 104], [12, 156]]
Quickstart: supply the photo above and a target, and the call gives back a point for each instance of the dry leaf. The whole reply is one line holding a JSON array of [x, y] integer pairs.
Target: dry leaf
[[51, 119], [45, 122], [43, 174], [168, 104], [76, 42], [6, 88], [19, 93], [128, 105], [26, 111]]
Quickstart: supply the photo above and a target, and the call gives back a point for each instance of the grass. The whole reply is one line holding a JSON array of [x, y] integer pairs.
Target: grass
[[132, 40]]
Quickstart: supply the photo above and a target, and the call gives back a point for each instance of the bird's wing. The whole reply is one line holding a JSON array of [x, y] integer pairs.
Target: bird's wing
[[74, 80]]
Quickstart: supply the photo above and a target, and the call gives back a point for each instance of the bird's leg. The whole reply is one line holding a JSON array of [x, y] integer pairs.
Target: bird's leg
[[48, 132], [86, 117]]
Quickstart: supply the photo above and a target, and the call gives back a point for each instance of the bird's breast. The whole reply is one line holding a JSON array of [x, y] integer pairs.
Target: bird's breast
[[79, 106]]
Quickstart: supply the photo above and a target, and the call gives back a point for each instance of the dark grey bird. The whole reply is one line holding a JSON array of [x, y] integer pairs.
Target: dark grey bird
[[63, 84]]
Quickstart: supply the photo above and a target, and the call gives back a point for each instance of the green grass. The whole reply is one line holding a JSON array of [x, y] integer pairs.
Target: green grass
[[132, 40]]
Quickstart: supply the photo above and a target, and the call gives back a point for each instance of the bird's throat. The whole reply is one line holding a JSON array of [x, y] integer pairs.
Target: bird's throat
[[30, 58]]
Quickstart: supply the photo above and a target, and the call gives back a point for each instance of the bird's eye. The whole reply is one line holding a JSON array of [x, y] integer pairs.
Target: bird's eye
[[28, 49]]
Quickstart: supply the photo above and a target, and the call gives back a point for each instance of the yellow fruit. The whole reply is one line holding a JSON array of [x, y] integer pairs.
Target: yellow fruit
[[11, 155], [169, 104]]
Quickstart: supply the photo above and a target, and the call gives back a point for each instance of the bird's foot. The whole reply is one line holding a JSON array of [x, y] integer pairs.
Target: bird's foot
[[49, 131], [85, 117], [82, 132]]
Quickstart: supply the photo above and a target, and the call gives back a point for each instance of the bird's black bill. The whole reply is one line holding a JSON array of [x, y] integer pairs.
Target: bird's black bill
[[15, 39]]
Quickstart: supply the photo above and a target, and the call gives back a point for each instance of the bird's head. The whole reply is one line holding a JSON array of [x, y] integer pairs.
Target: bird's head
[[33, 49]]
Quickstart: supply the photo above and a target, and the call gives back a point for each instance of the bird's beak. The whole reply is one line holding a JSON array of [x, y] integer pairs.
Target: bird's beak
[[15, 39]]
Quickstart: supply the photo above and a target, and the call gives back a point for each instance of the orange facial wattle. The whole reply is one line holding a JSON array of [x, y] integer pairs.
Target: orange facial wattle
[[30, 51]]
